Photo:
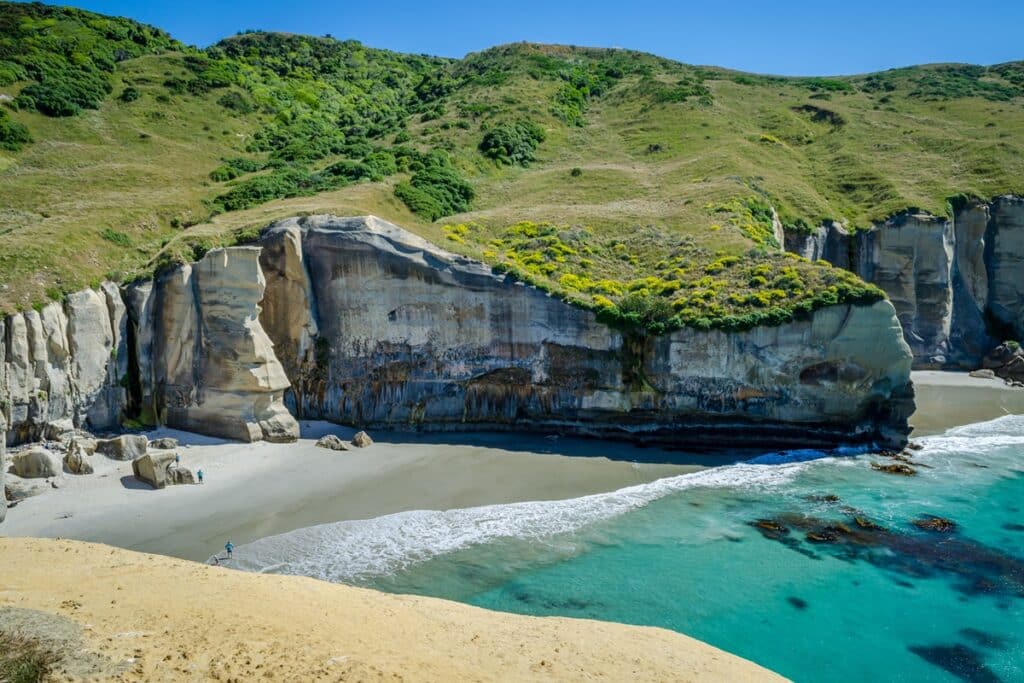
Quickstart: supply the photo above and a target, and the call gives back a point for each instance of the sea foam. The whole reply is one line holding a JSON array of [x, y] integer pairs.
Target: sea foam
[[358, 550]]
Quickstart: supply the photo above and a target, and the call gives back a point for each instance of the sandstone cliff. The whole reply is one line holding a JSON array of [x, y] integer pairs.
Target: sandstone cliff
[[357, 321], [957, 283], [205, 362], [377, 327]]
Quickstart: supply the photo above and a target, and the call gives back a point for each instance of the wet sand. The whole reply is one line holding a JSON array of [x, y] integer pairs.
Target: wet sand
[[951, 399], [256, 490]]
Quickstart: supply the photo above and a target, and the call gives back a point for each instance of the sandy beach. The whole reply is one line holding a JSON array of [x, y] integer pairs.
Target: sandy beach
[[260, 489], [950, 399]]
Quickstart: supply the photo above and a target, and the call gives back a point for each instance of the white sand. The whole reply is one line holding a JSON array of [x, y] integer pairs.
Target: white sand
[[950, 399], [256, 490]]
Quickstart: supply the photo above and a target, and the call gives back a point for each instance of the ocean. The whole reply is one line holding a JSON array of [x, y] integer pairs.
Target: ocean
[[816, 565]]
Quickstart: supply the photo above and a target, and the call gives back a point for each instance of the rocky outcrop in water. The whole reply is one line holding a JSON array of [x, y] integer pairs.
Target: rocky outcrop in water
[[378, 327], [957, 283], [362, 323]]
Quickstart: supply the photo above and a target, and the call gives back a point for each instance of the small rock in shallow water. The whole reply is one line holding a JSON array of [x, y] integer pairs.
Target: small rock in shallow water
[[900, 468], [164, 443], [939, 524], [826, 498], [770, 525], [865, 523]]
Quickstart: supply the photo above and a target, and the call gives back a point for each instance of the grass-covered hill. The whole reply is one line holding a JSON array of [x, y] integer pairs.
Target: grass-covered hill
[[636, 185]]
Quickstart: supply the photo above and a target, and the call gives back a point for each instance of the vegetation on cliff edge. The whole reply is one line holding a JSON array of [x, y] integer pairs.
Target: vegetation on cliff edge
[[121, 149]]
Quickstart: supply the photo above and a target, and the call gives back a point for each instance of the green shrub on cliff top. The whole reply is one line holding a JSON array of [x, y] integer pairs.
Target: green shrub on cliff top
[[688, 286], [512, 143]]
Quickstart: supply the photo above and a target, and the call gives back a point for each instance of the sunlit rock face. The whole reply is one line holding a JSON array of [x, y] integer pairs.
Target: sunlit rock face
[[376, 326], [957, 283]]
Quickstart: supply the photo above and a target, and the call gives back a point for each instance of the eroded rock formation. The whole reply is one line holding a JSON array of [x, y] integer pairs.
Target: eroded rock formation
[[362, 323], [957, 283], [378, 327], [208, 365], [62, 365]]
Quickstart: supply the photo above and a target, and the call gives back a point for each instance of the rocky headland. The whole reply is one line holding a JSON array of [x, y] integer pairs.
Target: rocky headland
[[357, 321]]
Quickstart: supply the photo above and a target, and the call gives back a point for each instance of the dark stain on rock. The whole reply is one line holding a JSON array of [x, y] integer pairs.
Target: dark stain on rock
[[959, 660]]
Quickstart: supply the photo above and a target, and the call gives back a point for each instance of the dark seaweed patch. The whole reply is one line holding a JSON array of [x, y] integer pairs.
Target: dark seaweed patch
[[985, 638], [798, 603], [961, 661], [974, 568], [1010, 526]]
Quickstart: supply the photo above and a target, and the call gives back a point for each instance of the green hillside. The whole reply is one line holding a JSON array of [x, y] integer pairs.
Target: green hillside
[[629, 183]]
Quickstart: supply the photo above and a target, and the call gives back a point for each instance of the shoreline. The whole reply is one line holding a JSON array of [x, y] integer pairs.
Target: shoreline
[[261, 489], [950, 399]]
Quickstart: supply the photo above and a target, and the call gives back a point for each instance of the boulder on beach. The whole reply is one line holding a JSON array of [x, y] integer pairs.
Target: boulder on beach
[[362, 440], [36, 463], [124, 447], [160, 470], [164, 443], [333, 442], [77, 460]]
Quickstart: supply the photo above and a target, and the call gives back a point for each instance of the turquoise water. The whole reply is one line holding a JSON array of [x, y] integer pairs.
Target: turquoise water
[[808, 565]]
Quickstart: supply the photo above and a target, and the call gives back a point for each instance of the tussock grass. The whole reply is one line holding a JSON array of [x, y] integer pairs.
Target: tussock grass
[[24, 659]]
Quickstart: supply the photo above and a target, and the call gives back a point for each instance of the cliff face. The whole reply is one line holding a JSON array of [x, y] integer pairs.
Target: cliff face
[[378, 327], [64, 365], [357, 321], [205, 362], [957, 284]]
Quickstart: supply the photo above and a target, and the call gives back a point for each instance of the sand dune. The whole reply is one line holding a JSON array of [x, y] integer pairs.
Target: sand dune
[[153, 618]]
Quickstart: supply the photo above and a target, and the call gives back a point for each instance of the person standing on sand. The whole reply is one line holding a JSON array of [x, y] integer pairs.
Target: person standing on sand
[[200, 475], [230, 547]]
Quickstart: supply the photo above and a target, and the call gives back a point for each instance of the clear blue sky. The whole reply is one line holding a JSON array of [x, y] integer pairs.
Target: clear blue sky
[[790, 38]]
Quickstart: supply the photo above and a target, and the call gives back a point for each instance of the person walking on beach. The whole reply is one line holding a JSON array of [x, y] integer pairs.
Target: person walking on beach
[[230, 547], [200, 475]]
